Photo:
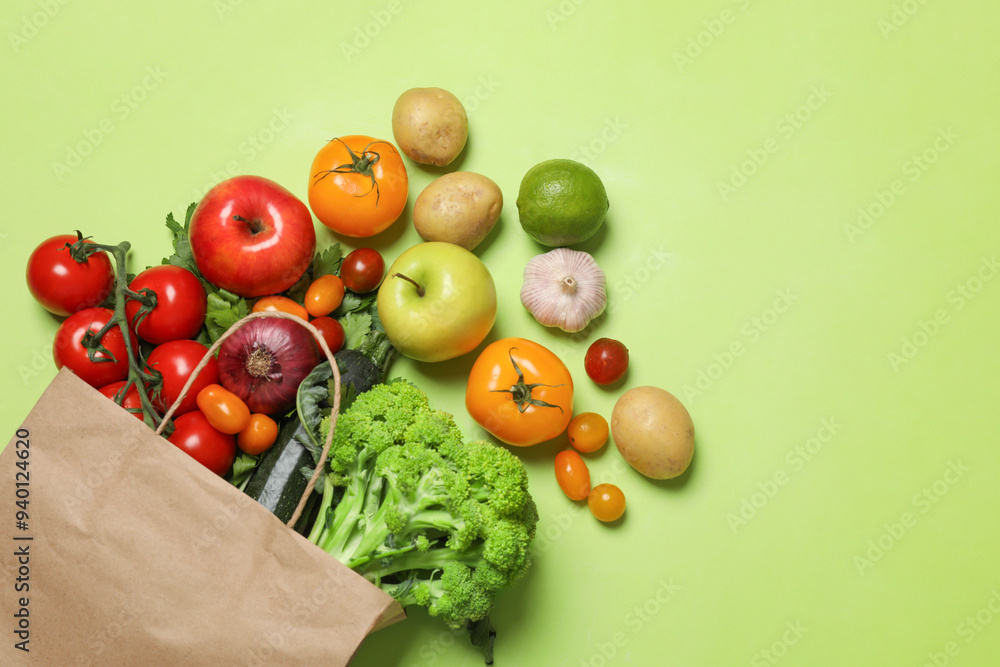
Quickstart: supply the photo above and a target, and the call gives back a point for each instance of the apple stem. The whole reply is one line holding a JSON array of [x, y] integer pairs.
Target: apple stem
[[255, 225], [420, 290]]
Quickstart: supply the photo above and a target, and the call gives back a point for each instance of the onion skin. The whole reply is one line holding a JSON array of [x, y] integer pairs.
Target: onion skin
[[265, 361]]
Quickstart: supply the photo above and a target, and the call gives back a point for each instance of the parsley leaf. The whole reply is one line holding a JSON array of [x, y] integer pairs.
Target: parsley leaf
[[356, 328]]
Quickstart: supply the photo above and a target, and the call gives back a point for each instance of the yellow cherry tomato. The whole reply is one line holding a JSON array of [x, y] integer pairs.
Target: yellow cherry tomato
[[282, 303], [324, 295], [224, 410], [588, 431], [259, 434], [606, 502]]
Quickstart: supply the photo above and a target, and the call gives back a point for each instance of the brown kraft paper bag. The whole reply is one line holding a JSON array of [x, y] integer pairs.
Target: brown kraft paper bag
[[120, 549]]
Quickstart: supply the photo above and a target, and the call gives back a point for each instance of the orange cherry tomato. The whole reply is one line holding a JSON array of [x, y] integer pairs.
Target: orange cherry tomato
[[606, 502], [282, 303], [258, 435], [224, 410], [324, 295], [572, 474], [588, 431], [357, 185], [332, 331]]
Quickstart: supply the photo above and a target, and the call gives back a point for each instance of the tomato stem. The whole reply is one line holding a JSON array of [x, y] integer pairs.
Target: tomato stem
[[520, 392], [420, 290], [359, 164]]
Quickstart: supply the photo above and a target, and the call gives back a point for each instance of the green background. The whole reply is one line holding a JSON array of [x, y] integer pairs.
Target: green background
[[800, 245]]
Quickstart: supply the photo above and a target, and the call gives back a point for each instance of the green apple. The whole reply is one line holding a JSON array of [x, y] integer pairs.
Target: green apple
[[437, 302]]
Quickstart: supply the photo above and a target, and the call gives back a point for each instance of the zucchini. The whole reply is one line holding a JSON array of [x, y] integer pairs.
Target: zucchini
[[358, 369], [278, 483]]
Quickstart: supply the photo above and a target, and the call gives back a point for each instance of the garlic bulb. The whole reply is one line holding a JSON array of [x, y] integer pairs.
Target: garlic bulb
[[564, 288]]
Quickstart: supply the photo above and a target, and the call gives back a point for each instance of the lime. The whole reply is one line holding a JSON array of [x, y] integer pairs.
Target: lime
[[561, 202]]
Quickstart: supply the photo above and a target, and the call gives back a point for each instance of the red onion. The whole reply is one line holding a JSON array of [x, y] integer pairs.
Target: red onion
[[265, 360]]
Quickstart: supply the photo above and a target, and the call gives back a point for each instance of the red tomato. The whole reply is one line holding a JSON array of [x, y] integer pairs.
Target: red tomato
[[362, 270], [195, 436], [68, 349], [180, 304], [130, 402], [64, 286], [606, 361], [175, 360], [572, 474], [332, 331]]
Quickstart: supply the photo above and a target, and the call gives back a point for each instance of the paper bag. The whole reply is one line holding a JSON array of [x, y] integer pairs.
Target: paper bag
[[120, 549]]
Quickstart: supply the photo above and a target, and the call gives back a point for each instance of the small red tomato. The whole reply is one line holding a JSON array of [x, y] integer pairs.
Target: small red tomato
[[68, 349], [282, 304], [64, 286], [332, 331], [572, 474], [362, 270], [175, 360], [606, 361], [130, 402], [209, 447], [606, 502], [324, 295], [180, 304]]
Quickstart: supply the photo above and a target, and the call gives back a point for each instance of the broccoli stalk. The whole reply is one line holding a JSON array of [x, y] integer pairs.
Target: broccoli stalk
[[432, 520]]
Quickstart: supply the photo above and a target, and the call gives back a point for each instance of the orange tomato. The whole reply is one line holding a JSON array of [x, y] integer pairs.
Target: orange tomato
[[282, 303], [357, 185], [258, 435], [520, 392], [572, 474], [588, 431], [606, 502], [224, 410], [324, 295]]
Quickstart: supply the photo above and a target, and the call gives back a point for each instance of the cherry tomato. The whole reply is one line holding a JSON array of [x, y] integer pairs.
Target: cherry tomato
[[572, 474], [606, 502], [362, 270], [68, 349], [280, 303], [175, 360], [520, 392], [180, 304], [606, 361], [357, 185], [324, 295], [131, 401], [259, 434], [588, 431], [225, 411], [333, 332], [213, 449], [64, 286]]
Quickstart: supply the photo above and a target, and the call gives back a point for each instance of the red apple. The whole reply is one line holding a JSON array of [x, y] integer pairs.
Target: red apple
[[251, 236]]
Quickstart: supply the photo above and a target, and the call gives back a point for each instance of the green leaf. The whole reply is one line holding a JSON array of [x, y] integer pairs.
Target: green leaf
[[242, 467], [482, 635], [354, 302], [357, 325], [327, 262], [224, 310], [311, 405]]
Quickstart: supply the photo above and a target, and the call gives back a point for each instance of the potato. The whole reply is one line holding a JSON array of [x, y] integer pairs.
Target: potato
[[653, 432], [430, 125], [461, 208]]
